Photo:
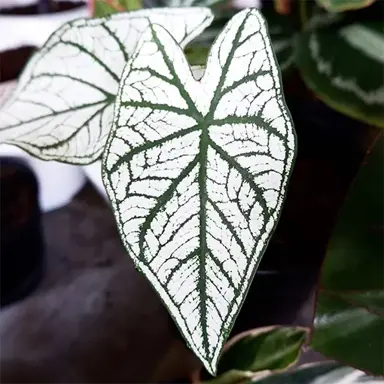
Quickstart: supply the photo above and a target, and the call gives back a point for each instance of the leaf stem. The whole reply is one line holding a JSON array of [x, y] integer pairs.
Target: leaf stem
[[303, 13]]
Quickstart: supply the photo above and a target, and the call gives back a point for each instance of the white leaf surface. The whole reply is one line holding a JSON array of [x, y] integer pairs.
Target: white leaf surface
[[62, 107], [196, 171]]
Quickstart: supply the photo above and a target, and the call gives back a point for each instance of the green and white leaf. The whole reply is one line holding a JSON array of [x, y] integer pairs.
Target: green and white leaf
[[197, 170], [62, 108], [344, 67], [344, 5]]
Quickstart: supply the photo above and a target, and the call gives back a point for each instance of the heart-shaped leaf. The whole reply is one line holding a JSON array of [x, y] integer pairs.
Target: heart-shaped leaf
[[197, 171], [62, 108], [350, 299], [324, 57]]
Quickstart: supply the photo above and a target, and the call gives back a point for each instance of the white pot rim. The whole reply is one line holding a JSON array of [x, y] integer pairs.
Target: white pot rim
[[33, 30]]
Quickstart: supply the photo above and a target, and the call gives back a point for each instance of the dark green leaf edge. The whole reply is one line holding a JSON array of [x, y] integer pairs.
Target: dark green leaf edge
[[320, 288]]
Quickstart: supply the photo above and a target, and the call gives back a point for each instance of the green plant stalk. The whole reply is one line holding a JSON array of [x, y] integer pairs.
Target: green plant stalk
[[303, 13]]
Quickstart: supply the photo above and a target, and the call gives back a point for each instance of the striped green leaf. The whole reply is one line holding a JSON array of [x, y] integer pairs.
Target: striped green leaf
[[344, 5], [197, 170], [62, 108], [344, 67]]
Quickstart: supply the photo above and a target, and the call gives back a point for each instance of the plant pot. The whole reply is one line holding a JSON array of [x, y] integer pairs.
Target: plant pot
[[21, 234], [24, 26], [20, 34], [33, 7]]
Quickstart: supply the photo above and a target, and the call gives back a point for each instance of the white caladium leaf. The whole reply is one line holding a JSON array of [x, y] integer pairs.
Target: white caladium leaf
[[196, 171], [62, 108]]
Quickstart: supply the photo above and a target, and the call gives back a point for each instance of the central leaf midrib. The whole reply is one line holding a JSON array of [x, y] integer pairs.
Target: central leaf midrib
[[202, 178], [203, 156]]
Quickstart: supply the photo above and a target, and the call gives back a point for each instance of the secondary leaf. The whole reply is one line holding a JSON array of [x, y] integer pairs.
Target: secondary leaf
[[270, 348], [320, 373], [344, 5], [350, 304], [196, 172], [344, 67], [62, 108]]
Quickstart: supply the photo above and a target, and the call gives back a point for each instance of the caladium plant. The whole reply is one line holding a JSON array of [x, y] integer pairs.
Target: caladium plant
[[196, 171], [63, 105], [195, 163]]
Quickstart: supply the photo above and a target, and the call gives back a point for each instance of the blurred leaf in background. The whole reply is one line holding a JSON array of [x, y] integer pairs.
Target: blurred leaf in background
[[320, 373], [343, 65], [349, 318], [264, 349], [197, 51], [102, 8], [282, 7], [281, 30], [283, 34], [344, 5]]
